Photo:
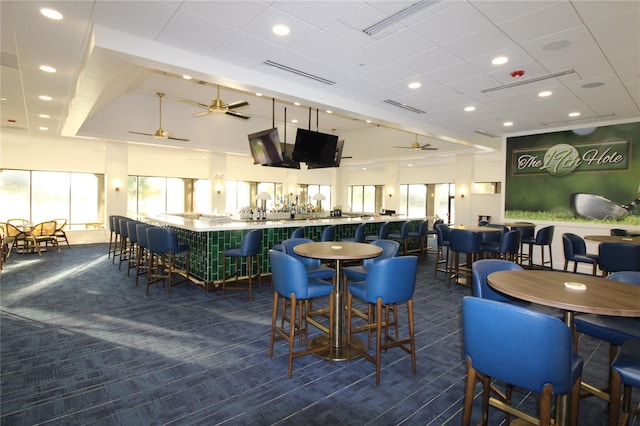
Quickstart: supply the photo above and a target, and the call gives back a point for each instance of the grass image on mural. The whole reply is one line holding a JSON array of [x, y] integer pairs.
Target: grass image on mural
[[580, 175]]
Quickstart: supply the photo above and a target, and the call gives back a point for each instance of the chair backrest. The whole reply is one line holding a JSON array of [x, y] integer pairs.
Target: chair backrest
[[60, 224], [251, 243], [298, 233], [141, 234], [17, 222], [49, 228], [37, 229], [573, 245], [614, 257], [288, 275], [12, 230], [328, 233], [495, 343], [162, 240], [290, 243], [527, 231], [112, 222], [392, 279], [404, 229], [443, 232], [544, 237], [122, 227], [481, 270], [359, 235], [463, 241], [493, 237], [132, 230], [437, 222], [383, 232], [390, 248], [629, 277], [422, 228], [510, 241], [619, 232]]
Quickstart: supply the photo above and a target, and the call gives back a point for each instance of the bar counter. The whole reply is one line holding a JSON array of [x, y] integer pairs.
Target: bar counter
[[209, 236]]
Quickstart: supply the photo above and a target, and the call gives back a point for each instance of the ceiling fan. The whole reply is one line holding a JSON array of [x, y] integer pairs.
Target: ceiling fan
[[415, 146], [160, 134], [217, 106]]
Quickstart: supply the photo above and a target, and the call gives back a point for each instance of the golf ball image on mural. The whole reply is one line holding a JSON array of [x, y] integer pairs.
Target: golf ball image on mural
[[561, 159]]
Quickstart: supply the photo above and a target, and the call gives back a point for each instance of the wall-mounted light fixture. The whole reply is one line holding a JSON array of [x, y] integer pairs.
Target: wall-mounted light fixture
[[390, 191], [116, 184], [319, 198], [218, 182], [263, 197], [462, 192]]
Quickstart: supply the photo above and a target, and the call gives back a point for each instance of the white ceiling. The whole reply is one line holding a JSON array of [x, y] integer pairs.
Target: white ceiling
[[113, 56]]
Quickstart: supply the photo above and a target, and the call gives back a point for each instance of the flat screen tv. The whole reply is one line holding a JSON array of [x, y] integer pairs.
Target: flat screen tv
[[314, 147], [265, 147], [287, 158], [336, 159]]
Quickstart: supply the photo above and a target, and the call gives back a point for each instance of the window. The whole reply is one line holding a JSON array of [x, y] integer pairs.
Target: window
[[364, 198], [39, 196], [307, 192], [485, 188], [149, 195]]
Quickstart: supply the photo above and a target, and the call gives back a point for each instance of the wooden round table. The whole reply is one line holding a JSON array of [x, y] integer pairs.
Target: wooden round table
[[613, 239], [599, 296], [337, 251]]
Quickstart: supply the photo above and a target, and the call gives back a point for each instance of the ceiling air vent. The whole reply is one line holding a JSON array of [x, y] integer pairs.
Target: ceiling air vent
[[298, 72], [485, 133], [403, 106]]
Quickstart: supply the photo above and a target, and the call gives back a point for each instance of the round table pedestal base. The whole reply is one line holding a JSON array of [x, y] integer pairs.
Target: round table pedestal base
[[339, 354]]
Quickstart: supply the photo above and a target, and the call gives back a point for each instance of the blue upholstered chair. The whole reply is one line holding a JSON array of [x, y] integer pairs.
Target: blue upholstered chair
[[433, 231], [123, 251], [292, 283], [314, 267], [383, 233], [508, 246], [616, 232], [540, 360], [481, 269], [615, 257], [491, 240], [117, 238], [250, 248], [528, 233], [403, 235], [359, 235], [390, 248], [132, 252], [389, 282], [163, 248], [421, 235], [575, 250], [610, 329], [625, 371], [113, 234], [543, 238], [297, 233], [328, 234], [143, 249], [442, 235], [467, 243]]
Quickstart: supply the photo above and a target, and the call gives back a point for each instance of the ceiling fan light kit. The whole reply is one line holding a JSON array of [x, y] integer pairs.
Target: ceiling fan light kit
[[217, 106], [160, 134]]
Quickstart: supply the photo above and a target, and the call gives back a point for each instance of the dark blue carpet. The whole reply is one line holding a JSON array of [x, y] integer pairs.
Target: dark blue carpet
[[81, 344]]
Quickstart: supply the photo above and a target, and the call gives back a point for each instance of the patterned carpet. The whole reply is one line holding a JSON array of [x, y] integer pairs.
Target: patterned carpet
[[81, 344]]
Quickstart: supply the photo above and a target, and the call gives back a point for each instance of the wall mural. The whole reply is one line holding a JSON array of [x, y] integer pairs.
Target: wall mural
[[580, 175]]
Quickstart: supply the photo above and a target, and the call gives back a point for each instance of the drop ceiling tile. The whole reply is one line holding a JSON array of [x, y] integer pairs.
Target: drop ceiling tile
[[234, 14], [261, 27], [593, 11], [249, 48], [357, 85], [608, 30], [457, 21], [360, 62], [429, 60], [389, 74], [349, 34], [400, 45], [323, 47], [318, 13], [146, 19], [454, 72], [556, 18], [309, 65], [499, 11], [479, 44], [193, 33]]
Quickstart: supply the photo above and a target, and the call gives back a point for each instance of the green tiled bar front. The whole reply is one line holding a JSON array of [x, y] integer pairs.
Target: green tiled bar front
[[206, 245]]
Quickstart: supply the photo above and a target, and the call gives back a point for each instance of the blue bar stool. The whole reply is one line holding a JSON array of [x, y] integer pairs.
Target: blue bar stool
[[625, 371], [163, 248], [249, 248]]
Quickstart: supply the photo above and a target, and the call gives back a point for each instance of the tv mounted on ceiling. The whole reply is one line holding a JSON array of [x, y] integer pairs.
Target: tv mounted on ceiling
[[314, 147], [265, 147], [287, 158], [336, 159]]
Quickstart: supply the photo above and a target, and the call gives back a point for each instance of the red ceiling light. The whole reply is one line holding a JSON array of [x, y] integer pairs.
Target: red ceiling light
[[517, 73]]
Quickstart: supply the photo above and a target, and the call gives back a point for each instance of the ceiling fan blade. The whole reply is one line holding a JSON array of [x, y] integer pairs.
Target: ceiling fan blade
[[140, 133], [237, 114], [201, 114], [191, 102], [178, 139], [427, 147], [238, 104], [403, 147]]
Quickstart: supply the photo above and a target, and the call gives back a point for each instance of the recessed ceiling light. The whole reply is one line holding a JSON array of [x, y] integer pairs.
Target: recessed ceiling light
[[414, 85], [258, 94], [545, 93], [329, 111], [3, 99], [186, 77], [43, 128], [469, 108], [45, 98], [281, 30], [51, 14], [368, 121], [44, 116], [47, 68], [500, 60], [409, 165], [294, 121], [507, 123], [364, 168], [574, 114], [296, 103]]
